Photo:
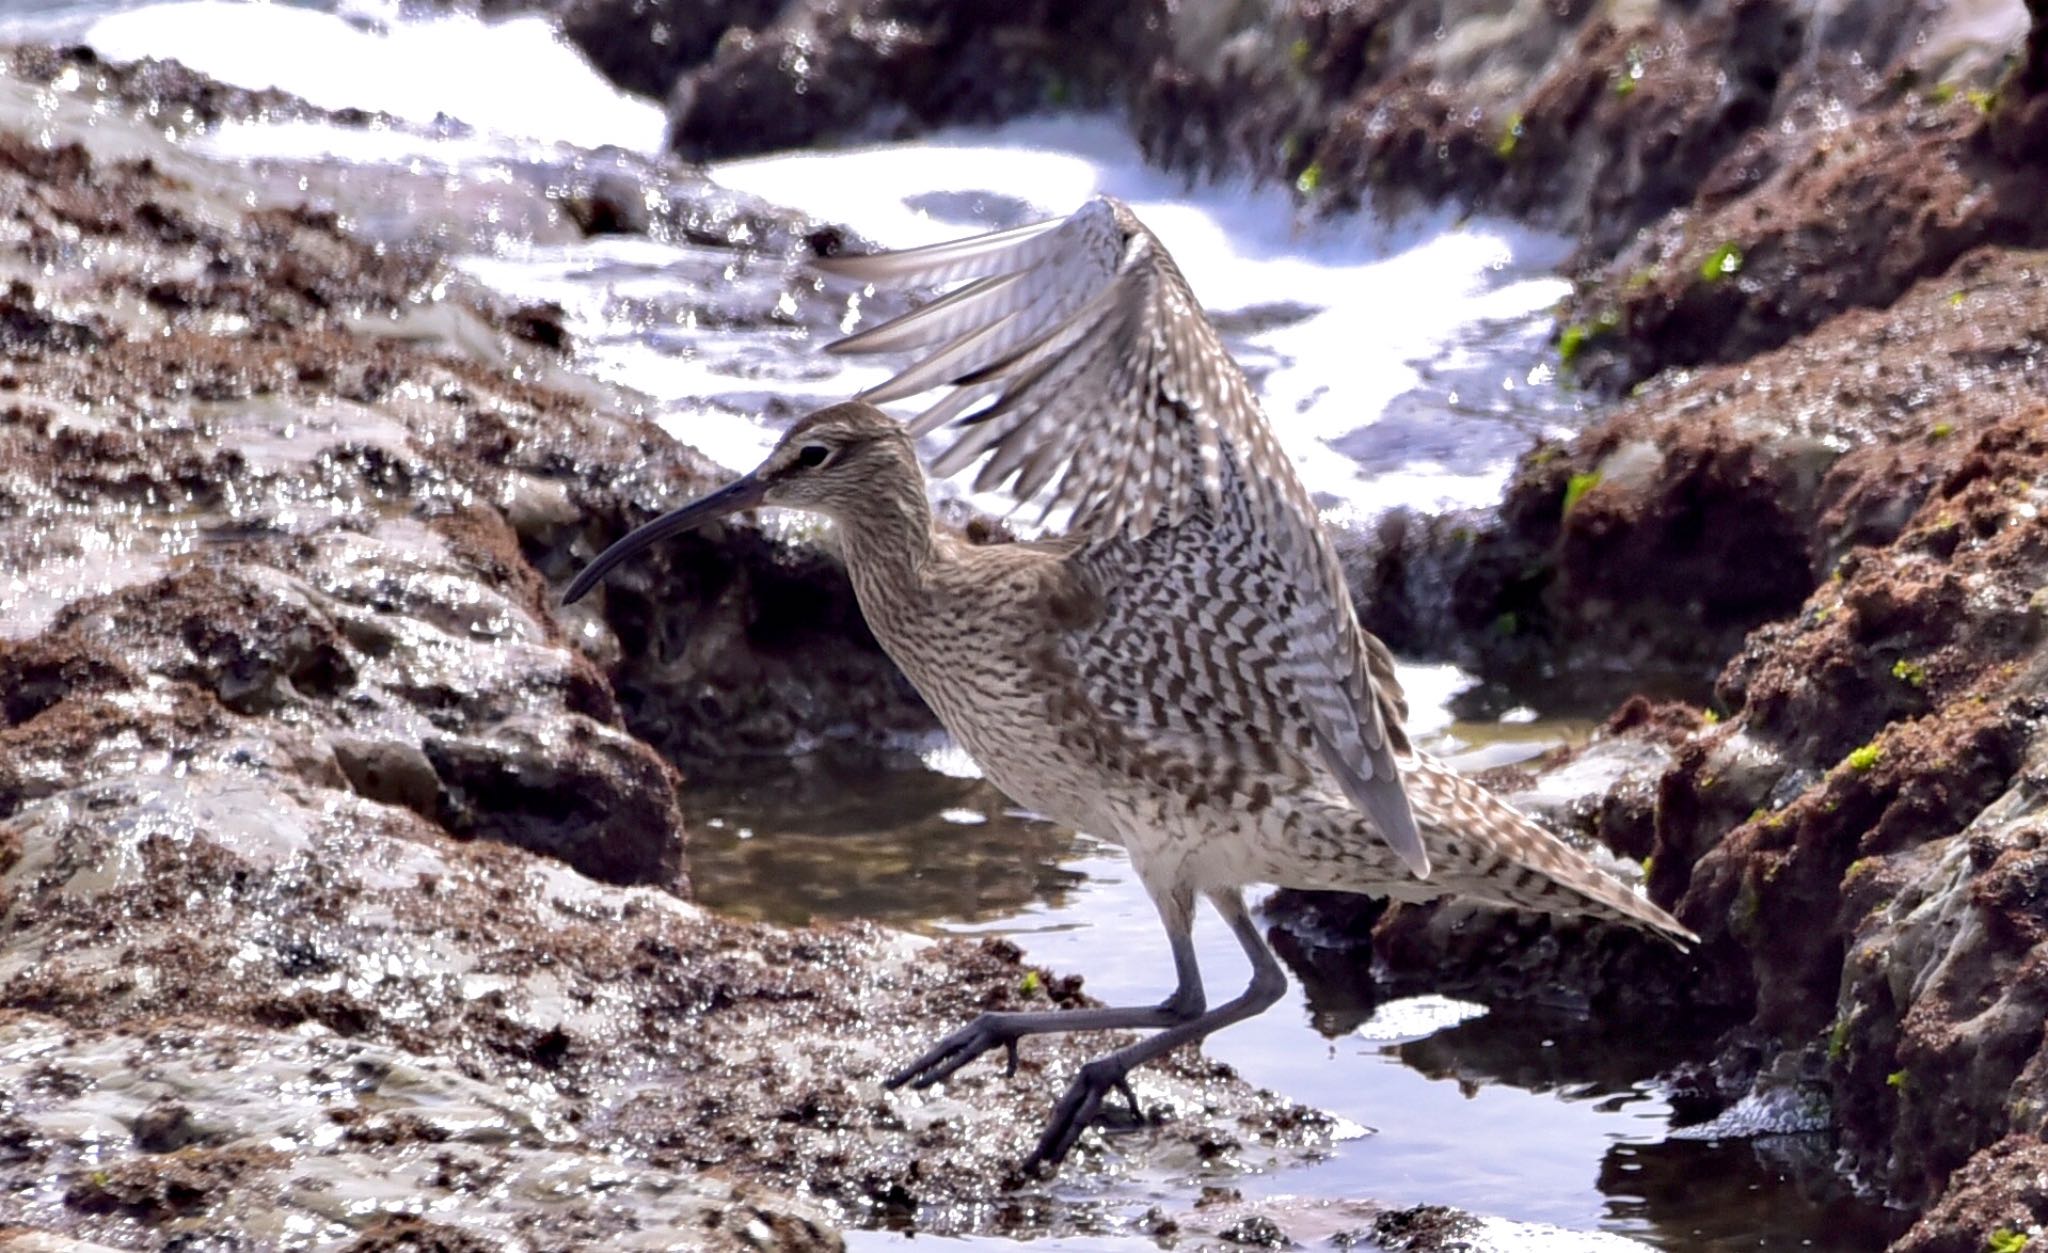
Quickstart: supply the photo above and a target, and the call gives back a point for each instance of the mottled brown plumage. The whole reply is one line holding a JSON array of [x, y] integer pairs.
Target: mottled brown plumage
[[1184, 671]]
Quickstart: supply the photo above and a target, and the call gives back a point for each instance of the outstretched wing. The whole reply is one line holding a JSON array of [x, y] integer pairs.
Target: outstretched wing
[[1084, 369]]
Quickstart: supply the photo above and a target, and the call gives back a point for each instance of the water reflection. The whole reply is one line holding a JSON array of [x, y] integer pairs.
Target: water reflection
[[1532, 1113], [1772, 1192], [848, 834]]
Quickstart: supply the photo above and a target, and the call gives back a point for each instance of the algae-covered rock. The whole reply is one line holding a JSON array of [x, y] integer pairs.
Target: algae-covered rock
[[288, 708], [1718, 502]]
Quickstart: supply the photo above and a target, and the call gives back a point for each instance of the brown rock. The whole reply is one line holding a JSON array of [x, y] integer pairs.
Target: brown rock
[[1703, 509], [760, 75], [2001, 1194], [1847, 217]]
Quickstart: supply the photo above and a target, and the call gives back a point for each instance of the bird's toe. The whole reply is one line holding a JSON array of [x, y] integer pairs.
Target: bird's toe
[[1080, 1108], [946, 1057]]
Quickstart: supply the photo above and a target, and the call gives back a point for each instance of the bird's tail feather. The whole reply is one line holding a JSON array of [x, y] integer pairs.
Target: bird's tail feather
[[1484, 848], [1479, 848]]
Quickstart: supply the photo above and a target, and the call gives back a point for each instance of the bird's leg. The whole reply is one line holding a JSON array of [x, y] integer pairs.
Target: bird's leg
[[1083, 1100], [1004, 1030]]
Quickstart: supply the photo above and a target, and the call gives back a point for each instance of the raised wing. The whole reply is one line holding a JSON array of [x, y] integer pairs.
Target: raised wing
[[1082, 366]]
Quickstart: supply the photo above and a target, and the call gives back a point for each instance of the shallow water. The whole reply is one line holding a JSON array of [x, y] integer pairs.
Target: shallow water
[[1531, 1114], [1403, 364]]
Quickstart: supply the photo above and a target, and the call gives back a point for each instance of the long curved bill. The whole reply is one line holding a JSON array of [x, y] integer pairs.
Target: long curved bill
[[741, 493]]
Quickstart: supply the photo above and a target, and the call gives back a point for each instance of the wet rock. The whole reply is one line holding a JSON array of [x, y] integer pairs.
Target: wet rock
[[1223, 1221], [1938, 1036], [250, 524], [1870, 881], [45, 1242], [1855, 840], [1997, 1201], [1848, 216], [1593, 118], [645, 45], [1738, 173], [1429, 1228], [245, 635], [179, 96], [166, 1127], [283, 681], [540, 324], [571, 790], [409, 1232], [389, 773], [295, 960], [804, 72], [155, 1190], [1645, 550], [1898, 712]]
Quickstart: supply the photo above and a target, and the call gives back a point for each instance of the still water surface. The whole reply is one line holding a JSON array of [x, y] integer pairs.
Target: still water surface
[[1532, 1114]]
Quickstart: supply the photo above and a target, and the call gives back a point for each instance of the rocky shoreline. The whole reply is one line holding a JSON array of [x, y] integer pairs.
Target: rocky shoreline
[[1812, 266], [288, 705], [286, 693]]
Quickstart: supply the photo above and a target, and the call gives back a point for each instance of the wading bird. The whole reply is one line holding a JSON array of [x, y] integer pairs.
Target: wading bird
[[1184, 671]]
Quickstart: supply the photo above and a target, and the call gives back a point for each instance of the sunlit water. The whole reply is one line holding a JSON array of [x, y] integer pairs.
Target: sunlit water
[[1402, 364], [1531, 1114]]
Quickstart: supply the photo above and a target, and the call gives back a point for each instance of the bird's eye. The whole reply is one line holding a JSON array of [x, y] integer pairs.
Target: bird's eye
[[813, 456]]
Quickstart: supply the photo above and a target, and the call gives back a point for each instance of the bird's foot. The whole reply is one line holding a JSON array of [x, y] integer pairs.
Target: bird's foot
[[956, 1050], [1081, 1108]]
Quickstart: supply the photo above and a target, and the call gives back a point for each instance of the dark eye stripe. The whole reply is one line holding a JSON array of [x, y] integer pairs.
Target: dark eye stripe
[[813, 455]]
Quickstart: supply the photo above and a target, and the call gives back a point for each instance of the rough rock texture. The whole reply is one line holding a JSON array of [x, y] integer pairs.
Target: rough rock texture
[[1858, 842], [1852, 509], [281, 522], [1788, 161], [1655, 541], [756, 75], [1599, 117], [286, 708], [1839, 211], [1738, 172], [232, 999], [1827, 212], [1998, 1197], [1895, 707], [1845, 217], [318, 437]]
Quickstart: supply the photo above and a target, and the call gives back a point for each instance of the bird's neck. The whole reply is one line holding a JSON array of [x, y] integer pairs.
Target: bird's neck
[[888, 545]]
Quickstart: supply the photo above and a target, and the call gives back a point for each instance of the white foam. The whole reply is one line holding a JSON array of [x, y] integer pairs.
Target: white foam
[[515, 77], [1429, 690], [1380, 296]]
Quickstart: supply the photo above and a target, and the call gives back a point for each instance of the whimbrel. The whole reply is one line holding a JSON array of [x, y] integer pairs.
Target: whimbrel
[[1184, 672]]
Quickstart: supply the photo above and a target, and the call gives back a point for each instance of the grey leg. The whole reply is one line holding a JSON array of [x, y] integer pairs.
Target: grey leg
[[1083, 1099], [993, 1030]]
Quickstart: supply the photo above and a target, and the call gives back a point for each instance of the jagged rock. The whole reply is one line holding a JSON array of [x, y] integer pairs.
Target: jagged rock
[[1643, 552], [810, 71], [283, 681]]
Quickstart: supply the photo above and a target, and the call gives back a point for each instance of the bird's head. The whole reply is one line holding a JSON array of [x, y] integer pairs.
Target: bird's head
[[837, 461]]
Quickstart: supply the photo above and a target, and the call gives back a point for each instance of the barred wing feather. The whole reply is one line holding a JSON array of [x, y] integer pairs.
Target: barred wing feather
[[1081, 367]]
